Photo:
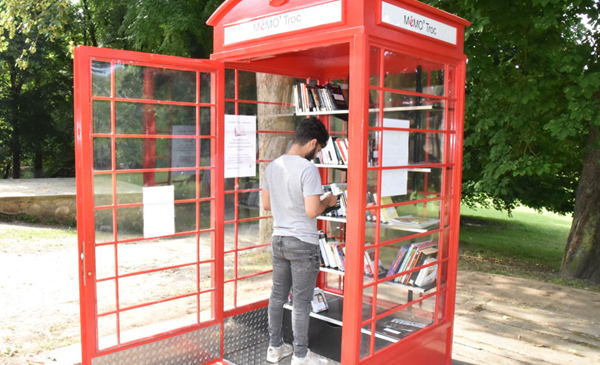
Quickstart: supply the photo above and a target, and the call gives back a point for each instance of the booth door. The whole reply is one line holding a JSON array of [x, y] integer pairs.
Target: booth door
[[149, 207]]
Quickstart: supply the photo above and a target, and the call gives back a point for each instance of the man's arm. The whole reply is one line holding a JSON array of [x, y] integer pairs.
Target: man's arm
[[314, 206], [265, 199]]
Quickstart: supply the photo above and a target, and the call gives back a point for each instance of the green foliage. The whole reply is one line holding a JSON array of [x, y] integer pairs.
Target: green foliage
[[532, 86], [158, 26]]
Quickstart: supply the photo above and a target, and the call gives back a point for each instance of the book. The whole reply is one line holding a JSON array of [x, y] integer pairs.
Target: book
[[388, 213], [322, 242], [428, 275], [338, 99], [410, 221], [319, 302], [424, 256], [393, 270], [409, 259], [400, 328]]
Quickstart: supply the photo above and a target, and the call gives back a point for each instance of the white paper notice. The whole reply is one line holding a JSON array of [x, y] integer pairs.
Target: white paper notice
[[240, 145], [183, 150], [394, 153], [159, 211]]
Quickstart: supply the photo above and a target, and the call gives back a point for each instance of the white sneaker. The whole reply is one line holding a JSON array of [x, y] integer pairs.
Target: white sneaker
[[310, 359], [274, 354]]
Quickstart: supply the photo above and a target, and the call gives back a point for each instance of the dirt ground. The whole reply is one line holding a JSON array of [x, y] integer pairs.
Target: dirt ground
[[36, 314], [499, 320]]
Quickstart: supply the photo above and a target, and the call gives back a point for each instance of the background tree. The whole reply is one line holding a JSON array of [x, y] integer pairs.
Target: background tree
[[532, 114]]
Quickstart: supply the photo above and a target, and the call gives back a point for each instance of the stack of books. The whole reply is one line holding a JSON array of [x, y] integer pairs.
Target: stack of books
[[335, 152], [333, 253], [316, 98], [413, 256], [341, 190]]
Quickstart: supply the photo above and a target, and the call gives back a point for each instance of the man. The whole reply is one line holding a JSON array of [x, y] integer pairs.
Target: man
[[291, 190]]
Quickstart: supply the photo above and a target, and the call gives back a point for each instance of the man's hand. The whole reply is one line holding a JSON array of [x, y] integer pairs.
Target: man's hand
[[331, 200]]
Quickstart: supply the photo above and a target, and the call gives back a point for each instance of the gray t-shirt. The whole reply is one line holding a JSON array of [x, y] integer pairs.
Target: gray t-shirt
[[289, 179]]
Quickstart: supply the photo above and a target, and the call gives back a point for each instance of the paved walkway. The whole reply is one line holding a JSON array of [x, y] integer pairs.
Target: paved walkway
[[499, 320]]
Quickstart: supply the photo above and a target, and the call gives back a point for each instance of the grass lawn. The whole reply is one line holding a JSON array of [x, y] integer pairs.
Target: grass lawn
[[528, 244]]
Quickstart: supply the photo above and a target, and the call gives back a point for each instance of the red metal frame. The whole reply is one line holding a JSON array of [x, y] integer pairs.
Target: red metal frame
[[85, 188], [336, 50]]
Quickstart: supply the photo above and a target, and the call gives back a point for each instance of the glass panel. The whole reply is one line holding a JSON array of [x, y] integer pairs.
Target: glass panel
[[205, 87], [205, 184], [249, 205], [375, 66], [373, 148], [206, 312], [205, 152], [374, 108], [230, 209], [102, 117], [158, 318], [160, 252], [103, 193], [154, 286], [403, 72], [271, 145], [206, 215], [371, 267], [130, 185], [136, 118], [106, 295], [107, 331], [247, 109], [247, 85], [229, 292], [254, 289], [140, 82], [229, 83], [230, 108], [249, 233], [229, 236], [102, 154], [138, 153], [409, 219], [445, 244], [365, 342], [101, 72], [254, 261], [206, 276], [130, 223], [104, 225], [185, 217], [421, 112], [206, 246], [229, 266], [452, 79], [105, 262], [441, 305], [205, 121]]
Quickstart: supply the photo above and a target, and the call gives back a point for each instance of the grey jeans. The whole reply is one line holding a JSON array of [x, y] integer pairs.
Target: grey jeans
[[295, 266]]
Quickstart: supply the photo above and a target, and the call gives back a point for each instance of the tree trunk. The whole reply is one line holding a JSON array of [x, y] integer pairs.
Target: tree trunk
[[582, 254], [38, 162], [15, 148], [271, 87]]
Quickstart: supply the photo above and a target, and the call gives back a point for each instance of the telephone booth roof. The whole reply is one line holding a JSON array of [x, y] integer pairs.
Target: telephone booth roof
[[252, 29]]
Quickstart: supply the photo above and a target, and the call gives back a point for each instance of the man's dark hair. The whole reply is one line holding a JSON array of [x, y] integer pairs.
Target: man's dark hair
[[309, 129]]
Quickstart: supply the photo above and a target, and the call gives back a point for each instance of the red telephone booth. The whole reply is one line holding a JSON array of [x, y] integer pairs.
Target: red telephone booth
[[174, 246]]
